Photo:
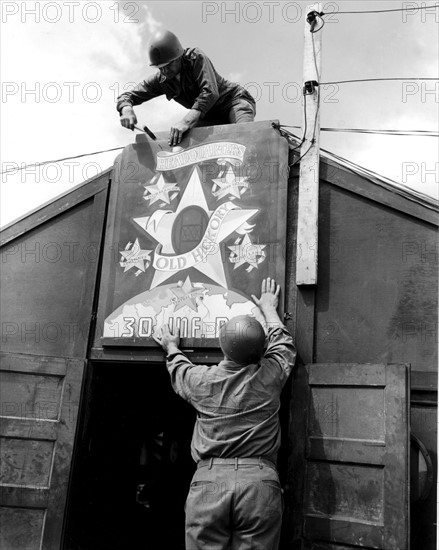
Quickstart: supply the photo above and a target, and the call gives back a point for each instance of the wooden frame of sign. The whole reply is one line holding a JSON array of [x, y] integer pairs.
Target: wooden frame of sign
[[192, 233]]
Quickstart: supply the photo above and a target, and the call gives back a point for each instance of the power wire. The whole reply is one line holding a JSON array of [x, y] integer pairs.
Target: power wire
[[379, 11], [419, 133], [384, 181], [315, 58], [305, 94], [304, 124], [37, 164], [313, 139], [376, 80]]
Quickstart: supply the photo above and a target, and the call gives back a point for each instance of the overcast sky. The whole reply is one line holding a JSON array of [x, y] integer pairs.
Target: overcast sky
[[64, 63]]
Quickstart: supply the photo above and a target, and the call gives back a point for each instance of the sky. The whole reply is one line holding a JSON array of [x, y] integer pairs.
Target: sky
[[64, 63]]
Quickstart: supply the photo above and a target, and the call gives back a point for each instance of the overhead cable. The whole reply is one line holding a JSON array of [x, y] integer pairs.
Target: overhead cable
[[37, 164], [416, 8], [418, 133], [377, 80]]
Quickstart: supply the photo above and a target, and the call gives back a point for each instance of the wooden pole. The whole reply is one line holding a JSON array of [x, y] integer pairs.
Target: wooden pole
[[307, 223]]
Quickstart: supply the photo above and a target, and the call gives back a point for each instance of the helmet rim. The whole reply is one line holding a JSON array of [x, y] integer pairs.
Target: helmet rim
[[164, 47]]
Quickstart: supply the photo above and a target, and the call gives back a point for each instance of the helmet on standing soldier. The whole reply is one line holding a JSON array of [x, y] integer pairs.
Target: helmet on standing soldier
[[163, 48], [242, 339]]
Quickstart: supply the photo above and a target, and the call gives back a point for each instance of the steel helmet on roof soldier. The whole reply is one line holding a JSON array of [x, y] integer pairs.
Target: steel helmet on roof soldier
[[187, 76]]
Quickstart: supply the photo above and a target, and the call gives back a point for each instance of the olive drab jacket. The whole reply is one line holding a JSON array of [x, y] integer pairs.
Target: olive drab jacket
[[198, 87]]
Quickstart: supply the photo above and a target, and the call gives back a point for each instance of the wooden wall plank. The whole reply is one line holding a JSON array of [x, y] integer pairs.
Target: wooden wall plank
[[36, 443], [355, 461], [360, 185], [63, 456], [18, 362], [397, 473], [24, 496], [305, 311], [343, 450], [348, 374], [346, 531], [55, 267], [377, 297], [294, 488], [55, 207], [36, 428]]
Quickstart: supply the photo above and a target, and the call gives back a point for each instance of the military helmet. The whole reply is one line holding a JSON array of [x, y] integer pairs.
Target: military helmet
[[163, 48], [242, 339]]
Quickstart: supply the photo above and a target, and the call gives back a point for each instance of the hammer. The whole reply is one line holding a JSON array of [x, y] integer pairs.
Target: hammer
[[149, 134], [147, 131]]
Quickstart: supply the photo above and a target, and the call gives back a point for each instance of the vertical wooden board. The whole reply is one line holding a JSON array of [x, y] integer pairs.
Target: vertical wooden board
[[36, 442], [191, 234], [377, 294], [48, 278], [397, 473], [305, 332], [308, 212], [424, 512], [354, 481], [290, 290], [49, 264], [292, 525], [63, 455]]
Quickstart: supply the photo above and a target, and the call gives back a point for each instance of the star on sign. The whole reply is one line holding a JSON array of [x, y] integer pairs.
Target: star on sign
[[247, 252], [229, 184], [159, 226], [160, 191], [185, 295], [134, 256]]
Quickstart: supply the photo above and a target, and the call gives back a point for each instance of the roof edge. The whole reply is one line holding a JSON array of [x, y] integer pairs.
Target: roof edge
[[383, 181], [67, 192]]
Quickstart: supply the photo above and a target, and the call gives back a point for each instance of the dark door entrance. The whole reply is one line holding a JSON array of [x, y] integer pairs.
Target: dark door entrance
[[133, 465]]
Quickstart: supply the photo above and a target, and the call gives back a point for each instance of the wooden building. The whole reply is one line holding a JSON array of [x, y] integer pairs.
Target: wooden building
[[81, 423]]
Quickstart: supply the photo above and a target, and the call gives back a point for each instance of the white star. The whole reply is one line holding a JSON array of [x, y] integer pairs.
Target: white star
[[160, 191], [133, 256], [229, 184], [159, 226], [246, 252], [185, 295]]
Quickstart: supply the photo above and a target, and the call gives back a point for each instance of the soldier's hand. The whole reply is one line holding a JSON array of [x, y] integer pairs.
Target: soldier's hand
[[269, 299], [128, 118], [177, 131], [167, 339]]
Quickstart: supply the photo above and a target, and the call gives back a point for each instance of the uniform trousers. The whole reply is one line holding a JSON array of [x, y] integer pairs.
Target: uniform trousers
[[233, 112], [234, 504]]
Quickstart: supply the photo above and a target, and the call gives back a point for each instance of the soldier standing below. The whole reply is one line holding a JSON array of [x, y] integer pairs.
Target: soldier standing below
[[188, 77], [235, 499]]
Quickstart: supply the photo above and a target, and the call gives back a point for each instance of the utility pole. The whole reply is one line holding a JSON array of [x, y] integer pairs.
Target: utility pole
[[307, 223]]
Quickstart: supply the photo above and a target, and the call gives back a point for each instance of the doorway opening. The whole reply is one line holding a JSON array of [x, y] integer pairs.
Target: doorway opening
[[133, 465]]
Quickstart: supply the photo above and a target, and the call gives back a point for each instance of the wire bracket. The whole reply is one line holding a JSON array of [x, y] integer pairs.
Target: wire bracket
[[310, 87], [311, 18]]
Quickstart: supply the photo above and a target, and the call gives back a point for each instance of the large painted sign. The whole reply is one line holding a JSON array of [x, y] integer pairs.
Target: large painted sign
[[192, 233]]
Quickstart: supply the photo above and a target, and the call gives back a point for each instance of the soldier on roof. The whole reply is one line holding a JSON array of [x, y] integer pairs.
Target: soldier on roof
[[188, 77]]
